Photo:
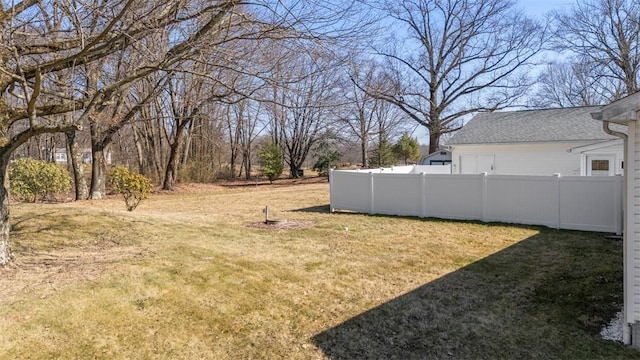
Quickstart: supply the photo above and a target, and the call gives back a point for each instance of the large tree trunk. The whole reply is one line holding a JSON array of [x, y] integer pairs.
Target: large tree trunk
[[139, 150], [98, 172], [171, 172], [363, 149], [172, 166], [247, 165], [5, 249], [185, 148], [434, 141], [77, 166], [293, 170]]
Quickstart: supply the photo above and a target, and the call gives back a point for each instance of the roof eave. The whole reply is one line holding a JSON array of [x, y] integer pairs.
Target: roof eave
[[596, 146], [534, 142], [620, 111]]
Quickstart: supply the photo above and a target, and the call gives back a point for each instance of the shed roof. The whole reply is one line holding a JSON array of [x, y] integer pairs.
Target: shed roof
[[546, 125]]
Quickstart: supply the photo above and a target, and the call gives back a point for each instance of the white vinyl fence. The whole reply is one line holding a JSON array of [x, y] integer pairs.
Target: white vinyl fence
[[411, 169], [589, 203]]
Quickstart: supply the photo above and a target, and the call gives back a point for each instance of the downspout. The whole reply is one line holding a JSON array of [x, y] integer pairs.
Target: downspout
[[605, 127], [626, 327]]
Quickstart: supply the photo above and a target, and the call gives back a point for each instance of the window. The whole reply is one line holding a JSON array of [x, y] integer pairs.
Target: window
[[600, 165], [61, 157]]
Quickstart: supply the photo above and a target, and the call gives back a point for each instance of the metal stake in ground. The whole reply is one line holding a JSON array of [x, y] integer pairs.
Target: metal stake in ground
[[265, 211]]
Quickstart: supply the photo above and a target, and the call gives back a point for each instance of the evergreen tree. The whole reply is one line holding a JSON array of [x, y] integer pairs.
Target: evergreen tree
[[383, 153], [271, 160], [407, 149]]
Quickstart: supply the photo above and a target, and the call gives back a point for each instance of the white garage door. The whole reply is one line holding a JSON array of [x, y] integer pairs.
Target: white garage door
[[476, 164]]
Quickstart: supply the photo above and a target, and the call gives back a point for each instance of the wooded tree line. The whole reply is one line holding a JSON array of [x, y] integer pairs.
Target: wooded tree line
[[192, 89]]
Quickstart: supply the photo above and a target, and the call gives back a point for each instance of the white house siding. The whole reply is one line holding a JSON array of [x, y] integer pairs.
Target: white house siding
[[525, 158]]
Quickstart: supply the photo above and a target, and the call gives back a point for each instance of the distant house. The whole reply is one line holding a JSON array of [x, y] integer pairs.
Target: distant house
[[60, 156], [536, 142], [440, 157]]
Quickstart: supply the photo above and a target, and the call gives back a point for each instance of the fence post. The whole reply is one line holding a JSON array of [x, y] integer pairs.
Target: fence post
[[485, 196], [371, 193], [423, 196], [558, 212], [331, 208]]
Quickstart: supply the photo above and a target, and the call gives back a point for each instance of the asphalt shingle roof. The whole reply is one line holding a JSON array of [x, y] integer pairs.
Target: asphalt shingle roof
[[567, 124]]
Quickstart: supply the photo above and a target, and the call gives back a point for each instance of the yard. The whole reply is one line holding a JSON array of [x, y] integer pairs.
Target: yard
[[191, 275]]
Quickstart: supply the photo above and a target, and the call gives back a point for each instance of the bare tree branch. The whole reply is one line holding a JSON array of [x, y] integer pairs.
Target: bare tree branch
[[467, 56]]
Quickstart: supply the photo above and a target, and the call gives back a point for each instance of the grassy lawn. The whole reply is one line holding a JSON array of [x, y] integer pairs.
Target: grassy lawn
[[185, 277]]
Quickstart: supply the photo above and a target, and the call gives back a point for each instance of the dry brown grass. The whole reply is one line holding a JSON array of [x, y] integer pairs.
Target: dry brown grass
[[184, 277]]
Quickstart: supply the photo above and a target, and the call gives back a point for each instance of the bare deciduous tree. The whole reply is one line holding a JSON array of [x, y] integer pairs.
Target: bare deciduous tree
[[368, 117], [604, 35], [302, 106], [567, 84], [462, 56]]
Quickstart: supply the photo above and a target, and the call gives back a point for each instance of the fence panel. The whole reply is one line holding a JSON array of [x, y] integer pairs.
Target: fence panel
[[522, 200], [587, 203], [397, 194], [453, 196], [350, 191]]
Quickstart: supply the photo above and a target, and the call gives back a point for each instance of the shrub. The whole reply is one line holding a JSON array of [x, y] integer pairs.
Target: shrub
[[134, 187], [271, 161], [33, 180]]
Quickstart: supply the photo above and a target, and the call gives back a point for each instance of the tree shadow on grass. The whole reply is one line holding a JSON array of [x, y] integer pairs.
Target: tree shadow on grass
[[18, 222], [545, 297], [315, 209]]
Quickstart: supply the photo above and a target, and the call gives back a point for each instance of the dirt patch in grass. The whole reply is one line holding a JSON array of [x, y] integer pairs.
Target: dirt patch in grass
[[45, 272], [282, 224]]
